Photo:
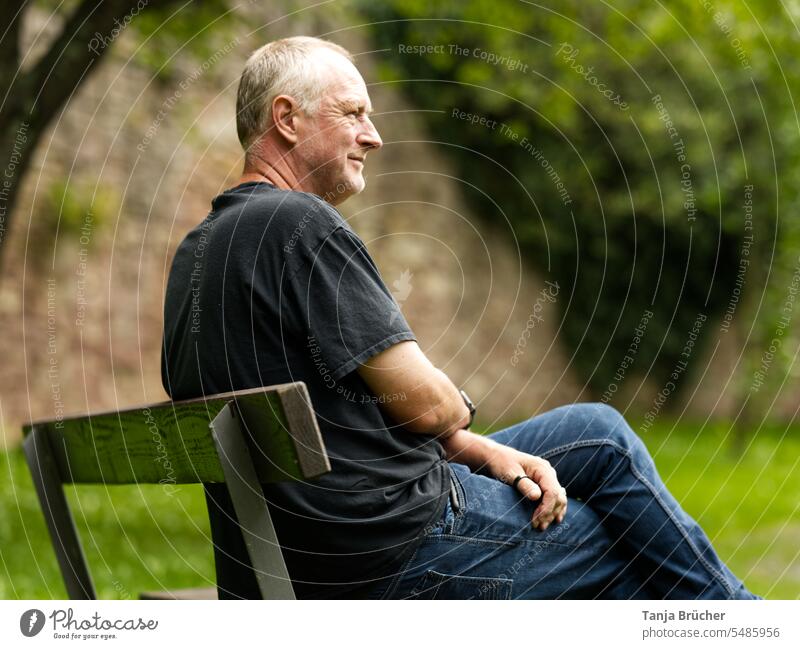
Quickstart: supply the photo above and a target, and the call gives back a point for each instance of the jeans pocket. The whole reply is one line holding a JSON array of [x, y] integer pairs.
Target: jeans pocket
[[444, 525], [437, 585]]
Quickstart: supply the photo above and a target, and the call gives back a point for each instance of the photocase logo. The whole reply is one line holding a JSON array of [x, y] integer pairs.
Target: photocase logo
[[31, 622]]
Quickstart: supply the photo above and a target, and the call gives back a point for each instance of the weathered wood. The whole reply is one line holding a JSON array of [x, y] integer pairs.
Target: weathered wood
[[300, 439], [242, 439], [299, 414], [182, 594], [55, 508], [250, 506], [170, 442]]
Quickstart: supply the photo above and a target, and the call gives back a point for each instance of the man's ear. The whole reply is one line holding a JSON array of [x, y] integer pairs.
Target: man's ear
[[284, 118]]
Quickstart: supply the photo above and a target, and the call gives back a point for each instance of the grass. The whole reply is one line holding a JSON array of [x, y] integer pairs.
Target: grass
[[136, 538], [145, 538], [747, 503]]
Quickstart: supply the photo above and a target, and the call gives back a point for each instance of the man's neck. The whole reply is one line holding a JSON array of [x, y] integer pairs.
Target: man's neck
[[249, 175], [258, 169]]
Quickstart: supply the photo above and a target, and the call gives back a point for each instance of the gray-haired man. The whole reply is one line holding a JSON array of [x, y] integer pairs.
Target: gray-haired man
[[274, 286]]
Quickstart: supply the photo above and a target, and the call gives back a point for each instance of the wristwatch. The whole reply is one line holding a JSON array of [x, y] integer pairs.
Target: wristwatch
[[470, 406]]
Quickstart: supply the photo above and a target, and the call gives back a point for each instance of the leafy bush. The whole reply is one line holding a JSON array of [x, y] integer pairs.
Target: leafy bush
[[72, 212], [624, 138]]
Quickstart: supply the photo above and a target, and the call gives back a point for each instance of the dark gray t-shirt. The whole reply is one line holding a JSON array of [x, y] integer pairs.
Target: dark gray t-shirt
[[274, 286]]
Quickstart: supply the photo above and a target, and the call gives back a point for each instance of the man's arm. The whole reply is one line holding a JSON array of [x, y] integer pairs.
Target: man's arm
[[422, 399], [413, 392], [505, 464]]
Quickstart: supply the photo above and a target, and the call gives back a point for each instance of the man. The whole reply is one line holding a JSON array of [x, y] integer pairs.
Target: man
[[274, 286]]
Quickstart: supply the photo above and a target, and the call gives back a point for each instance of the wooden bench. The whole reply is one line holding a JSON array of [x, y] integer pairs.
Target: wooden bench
[[241, 439]]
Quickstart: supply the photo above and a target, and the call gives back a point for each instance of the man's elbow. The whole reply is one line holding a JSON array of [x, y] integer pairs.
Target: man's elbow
[[441, 419], [428, 423]]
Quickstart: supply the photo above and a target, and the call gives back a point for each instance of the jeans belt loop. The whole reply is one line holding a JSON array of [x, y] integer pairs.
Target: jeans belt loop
[[454, 494]]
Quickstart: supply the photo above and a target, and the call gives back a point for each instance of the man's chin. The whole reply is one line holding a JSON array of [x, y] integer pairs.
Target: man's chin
[[345, 190], [358, 186]]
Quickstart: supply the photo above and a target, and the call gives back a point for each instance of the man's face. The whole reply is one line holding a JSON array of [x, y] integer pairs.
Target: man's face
[[334, 141]]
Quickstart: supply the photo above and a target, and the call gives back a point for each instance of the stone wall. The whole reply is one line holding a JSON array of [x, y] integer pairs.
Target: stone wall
[[81, 312]]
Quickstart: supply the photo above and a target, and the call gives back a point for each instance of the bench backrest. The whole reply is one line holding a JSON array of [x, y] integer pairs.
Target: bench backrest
[[171, 441], [242, 439]]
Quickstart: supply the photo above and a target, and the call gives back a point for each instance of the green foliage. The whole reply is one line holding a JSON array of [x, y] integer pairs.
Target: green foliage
[[654, 117], [71, 210], [171, 33]]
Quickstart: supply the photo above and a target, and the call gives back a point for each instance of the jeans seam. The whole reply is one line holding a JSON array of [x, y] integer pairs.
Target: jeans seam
[[600, 442], [392, 587], [438, 579], [718, 576], [468, 540]]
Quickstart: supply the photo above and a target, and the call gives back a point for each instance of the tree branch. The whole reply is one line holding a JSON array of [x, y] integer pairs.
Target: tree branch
[[63, 67], [9, 45], [34, 98]]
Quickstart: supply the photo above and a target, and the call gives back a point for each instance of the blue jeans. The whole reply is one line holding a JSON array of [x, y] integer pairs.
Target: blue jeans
[[624, 535]]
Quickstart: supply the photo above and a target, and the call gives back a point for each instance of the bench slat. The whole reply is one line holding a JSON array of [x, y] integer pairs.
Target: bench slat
[[171, 443], [181, 594]]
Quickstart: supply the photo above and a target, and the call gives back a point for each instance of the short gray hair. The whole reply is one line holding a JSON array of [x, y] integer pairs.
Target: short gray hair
[[282, 67]]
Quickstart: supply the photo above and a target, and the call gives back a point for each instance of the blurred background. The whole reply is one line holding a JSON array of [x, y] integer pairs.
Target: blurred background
[[574, 202]]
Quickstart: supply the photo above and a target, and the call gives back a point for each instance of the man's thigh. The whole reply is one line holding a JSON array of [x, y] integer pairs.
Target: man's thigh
[[570, 424], [585, 442], [487, 549]]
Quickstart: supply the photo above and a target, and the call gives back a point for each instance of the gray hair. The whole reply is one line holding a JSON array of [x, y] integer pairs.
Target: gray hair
[[282, 67]]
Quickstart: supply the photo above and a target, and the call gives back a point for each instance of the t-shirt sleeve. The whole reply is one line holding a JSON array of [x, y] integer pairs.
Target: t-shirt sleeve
[[342, 304]]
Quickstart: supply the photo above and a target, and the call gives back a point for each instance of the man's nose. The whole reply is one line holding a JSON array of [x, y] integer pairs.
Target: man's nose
[[369, 137]]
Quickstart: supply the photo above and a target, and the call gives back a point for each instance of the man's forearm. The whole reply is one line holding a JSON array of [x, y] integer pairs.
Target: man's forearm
[[452, 413], [468, 448], [431, 403]]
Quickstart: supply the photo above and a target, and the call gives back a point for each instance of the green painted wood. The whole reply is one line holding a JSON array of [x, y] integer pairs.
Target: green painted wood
[[305, 442], [171, 443], [60, 524]]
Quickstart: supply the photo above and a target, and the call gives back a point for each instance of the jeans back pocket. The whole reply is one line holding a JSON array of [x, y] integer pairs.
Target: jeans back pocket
[[437, 585]]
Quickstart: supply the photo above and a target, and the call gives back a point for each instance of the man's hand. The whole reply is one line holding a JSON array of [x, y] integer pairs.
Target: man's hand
[[506, 464]]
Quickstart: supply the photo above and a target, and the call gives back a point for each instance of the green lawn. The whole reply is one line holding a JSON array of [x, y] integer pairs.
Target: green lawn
[[748, 503], [136, 538], [143, 538]]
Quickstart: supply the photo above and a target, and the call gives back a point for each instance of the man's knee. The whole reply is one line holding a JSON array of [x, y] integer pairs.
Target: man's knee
[[617, 429], [600, 421]]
